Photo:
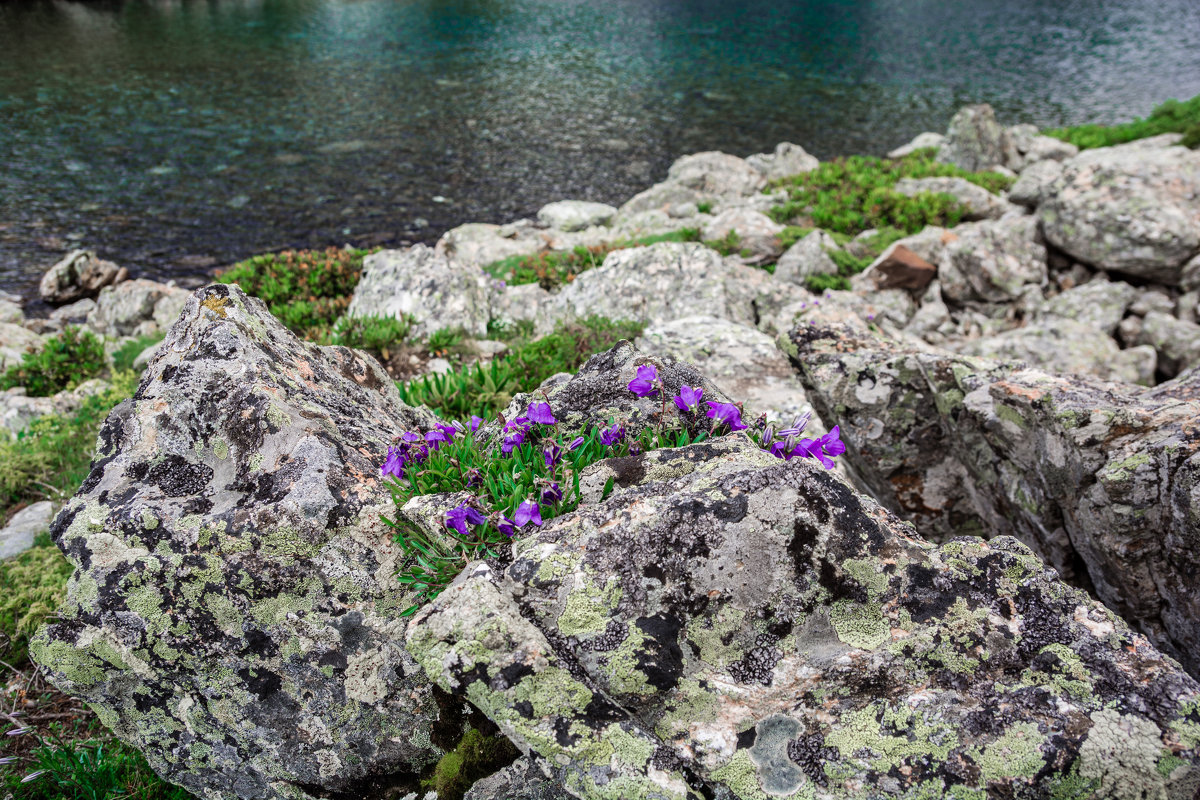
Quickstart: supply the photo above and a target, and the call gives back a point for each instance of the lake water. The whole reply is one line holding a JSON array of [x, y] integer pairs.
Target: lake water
[[173, 136]]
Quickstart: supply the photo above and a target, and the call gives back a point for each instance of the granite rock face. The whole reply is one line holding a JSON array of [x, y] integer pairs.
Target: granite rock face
[[123, 309], [575, 215], [992, 261], [1102, 480], [757, 234], [477, 244], [1131, 209], [975, 140], [234, 608], [661, 282], [728, 625], [437, 291], [806, 258], [697, 178], [80, 274], [787, 159]]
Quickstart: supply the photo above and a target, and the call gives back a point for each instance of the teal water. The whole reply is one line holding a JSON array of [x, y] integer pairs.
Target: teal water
[[176, 135]]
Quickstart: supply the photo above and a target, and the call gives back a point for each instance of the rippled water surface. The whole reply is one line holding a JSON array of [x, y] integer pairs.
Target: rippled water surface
[[174, 136]]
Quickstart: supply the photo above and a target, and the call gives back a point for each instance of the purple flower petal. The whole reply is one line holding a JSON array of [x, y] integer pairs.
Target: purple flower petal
[[528, 512], [551, 494], [393, 464], [645, 384], [475, 423], [575, 444], [726, 413], [552, 454], [688, 398], [540, 413]]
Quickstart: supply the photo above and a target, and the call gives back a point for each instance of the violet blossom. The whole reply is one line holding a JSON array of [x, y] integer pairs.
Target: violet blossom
[[688, 398], [393, 465], [575, 444], [727, 413], [458, 518], [646, 382], [551, 494], [540, 413], [552, 454], [475, 423], [613, 435], [528, 512]]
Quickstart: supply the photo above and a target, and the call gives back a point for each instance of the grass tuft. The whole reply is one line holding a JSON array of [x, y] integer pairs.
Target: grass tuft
[[1173, 116], [557, 268]]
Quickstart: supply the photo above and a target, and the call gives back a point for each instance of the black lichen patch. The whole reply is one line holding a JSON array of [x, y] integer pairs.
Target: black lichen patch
[[810, 754], [177, 477], [758, 663], [659, 658]]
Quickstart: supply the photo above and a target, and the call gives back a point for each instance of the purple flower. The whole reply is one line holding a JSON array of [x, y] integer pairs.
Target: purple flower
[[474, 477], [812, 449], [552, 454], [475, 423], [410, 437], [513, 441], [688, 398], [645, 384], [435, 438], [393, 464], [575, 444], [540, 413], [528, 512], [551, 494], [832, 442], [610, 436], [727, 413], [458, 518], [506, 526]]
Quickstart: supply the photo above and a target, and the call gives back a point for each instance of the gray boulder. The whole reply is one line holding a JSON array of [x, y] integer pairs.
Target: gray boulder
[[758, 234], [17, 536], [1102, 480], [696, 178], [744, 362], [234, 612], [1099, 303], [979, 202], [17, 409], [11, 313], [922, 141], [807, 257], [975, 141], [729, 625], [122, 309], [15, 342], [1176, 342], [80, 274], [788, 159], [478, 244], [992, 261], [1033, 148], [1066, 346], [74, 313], [1035, 183], [575, 215], [658, 283], [1129, 209], [438, 291]]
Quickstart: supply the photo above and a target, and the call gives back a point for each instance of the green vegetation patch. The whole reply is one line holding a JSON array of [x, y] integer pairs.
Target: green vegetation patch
[[66, 360], [32, 586], [557, 268], [475, 757], [853, 194], [849, 264], [92, 770], [485, 390], [373, 333], [307, 290], [124, 356], [1172, 116], [53, 455]]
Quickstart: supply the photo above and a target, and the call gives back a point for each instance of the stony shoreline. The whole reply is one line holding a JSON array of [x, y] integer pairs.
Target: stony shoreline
[[1030, 375]]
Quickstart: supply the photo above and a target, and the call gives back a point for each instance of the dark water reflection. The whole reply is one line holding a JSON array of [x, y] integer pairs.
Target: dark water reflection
[[169, 135]]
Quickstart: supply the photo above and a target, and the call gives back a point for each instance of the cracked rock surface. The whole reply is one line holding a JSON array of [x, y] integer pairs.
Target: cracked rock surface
[[234, 612]]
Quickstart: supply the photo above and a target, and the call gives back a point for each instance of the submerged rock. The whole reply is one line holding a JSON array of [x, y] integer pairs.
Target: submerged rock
[[1101, 479], [234, 612], [729, 625]]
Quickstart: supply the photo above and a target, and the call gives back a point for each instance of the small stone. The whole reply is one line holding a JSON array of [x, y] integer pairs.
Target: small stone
[[922, 141], [24, 527], [81, 274], [901, 268]]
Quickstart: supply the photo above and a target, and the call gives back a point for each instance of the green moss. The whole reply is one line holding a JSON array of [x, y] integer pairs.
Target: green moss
[[63, 362], [860, 625], [32, 587]]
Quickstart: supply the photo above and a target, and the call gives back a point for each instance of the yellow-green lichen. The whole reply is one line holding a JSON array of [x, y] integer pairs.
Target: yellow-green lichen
[[868, 574], [1016, 754], [918, 737], [709, 634], [690, 704], [621, 667], [860, 625], [552, 692], [588, 605], [741, 777]]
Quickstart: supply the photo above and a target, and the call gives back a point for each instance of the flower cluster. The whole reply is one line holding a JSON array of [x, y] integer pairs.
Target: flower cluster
[[789, 445], [412, 447]]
